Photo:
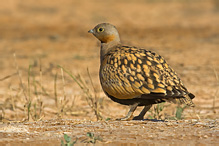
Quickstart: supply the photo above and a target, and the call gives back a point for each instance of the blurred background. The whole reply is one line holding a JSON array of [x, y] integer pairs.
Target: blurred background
[[36, 36]]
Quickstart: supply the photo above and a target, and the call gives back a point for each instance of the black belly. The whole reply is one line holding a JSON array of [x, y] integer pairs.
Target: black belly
[[141, 101]]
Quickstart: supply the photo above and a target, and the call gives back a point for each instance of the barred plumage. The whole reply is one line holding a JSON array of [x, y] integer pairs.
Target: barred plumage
[[134, 76]]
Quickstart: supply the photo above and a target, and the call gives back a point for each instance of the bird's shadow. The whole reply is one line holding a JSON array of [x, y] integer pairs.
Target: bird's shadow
[[153, 120]]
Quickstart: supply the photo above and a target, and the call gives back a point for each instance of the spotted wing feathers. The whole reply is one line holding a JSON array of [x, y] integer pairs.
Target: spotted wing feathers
[[129, 72]]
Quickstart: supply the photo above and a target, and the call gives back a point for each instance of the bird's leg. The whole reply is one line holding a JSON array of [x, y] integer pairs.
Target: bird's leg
[[130, 113], [143, 112]]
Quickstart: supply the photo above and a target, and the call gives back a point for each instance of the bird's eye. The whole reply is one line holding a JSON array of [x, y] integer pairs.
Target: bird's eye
[[100, 29]]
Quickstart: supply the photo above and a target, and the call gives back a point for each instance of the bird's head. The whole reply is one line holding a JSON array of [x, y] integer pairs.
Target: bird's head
[[106, 33]]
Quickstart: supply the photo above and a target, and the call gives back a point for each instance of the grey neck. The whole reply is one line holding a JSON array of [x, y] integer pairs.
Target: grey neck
[[106, 47]]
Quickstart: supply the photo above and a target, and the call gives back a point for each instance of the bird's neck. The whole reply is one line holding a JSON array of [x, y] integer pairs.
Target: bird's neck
[[106, 47]]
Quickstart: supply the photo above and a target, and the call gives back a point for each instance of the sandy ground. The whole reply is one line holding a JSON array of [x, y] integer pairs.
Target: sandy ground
[[49, 132], [48, 33]]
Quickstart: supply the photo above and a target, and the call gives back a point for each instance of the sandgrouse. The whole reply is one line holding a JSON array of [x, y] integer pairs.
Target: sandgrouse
[[135, 76]]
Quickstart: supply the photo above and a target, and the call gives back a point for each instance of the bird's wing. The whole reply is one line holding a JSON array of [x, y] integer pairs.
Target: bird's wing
[[129, 72]]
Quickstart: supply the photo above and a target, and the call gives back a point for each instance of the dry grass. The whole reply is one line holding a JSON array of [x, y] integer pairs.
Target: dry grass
[[33, 93], [216, 92], [91, 95]]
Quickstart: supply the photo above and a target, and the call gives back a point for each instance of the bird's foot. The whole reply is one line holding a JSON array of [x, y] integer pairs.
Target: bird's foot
[[138, 118], [126, 118], [129, 116]]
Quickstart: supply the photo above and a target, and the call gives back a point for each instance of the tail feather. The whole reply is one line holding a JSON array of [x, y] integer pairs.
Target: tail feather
[[191, 95], [187, 99]]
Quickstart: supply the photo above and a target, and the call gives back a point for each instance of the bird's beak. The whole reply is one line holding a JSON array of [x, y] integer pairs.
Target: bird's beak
[[91, 31]]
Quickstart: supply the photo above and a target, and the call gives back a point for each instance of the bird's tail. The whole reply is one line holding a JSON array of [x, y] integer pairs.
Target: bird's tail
[[187, 99]]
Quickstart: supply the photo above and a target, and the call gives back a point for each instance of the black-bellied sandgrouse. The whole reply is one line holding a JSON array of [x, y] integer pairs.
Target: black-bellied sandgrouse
[[135, 76]]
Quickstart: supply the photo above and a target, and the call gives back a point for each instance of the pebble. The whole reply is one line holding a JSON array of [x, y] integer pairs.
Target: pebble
[[194, 120], [169, 124]]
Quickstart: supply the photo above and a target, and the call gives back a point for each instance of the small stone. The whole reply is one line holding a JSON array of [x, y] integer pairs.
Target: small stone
[[194, 120], [169, 124]]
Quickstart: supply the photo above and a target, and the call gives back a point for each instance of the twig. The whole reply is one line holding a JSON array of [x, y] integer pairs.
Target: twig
[[73, 77], [63, 82], [55, 91], [19, 75], [41, 88], [215, 95], [63, 101], [8, 76]]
